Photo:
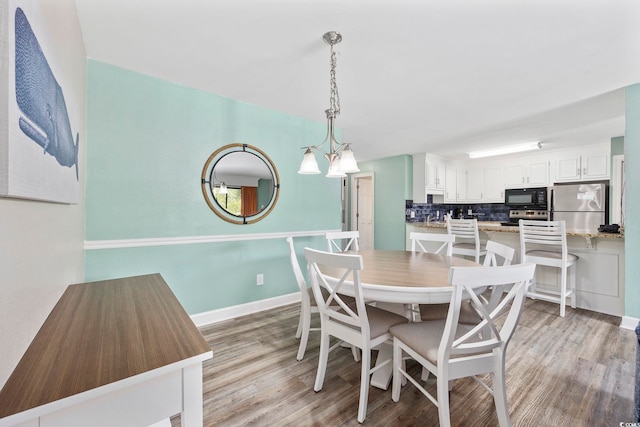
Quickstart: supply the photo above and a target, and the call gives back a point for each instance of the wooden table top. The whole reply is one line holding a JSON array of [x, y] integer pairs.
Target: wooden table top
[[404, 276], [99, 333]]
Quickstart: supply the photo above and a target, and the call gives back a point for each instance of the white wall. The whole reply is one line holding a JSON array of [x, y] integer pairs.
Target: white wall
[[41, 244]]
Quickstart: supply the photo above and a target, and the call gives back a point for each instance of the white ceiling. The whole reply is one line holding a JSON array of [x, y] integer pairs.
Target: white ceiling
[[440, 76]]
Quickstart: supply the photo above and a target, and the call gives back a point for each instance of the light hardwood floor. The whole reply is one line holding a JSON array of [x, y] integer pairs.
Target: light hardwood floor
[[573, 371]]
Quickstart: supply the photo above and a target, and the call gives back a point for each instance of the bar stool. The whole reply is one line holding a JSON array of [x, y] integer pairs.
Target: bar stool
[[467, 237], [549, 241]]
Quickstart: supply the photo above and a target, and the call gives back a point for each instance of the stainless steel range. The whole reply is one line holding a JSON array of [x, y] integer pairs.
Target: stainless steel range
[[533, 214]]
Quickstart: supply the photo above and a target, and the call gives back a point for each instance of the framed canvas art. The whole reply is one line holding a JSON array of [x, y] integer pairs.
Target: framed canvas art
[[39, 150]]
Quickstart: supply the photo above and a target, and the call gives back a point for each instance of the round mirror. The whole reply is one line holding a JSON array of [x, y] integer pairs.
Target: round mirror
[[240, 183]]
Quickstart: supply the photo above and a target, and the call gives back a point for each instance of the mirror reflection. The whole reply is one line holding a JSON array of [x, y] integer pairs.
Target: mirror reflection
[[241, 183]]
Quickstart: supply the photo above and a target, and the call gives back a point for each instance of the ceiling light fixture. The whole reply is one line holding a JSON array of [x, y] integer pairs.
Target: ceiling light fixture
[[339, 165], [506, 150], [223, 188]]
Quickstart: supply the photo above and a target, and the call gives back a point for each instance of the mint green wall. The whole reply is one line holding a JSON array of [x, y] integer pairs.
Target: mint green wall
[[617, 148], [392, 181], [632, 203], [147, 141]]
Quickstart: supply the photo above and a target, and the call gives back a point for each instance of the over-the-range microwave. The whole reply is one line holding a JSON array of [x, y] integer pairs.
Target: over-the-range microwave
[[526, 198]]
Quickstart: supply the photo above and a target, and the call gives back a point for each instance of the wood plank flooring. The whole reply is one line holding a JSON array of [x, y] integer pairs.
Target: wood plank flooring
[[573, 371]]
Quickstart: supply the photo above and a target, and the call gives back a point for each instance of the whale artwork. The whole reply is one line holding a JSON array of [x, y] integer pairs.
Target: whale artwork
[[43, 111]]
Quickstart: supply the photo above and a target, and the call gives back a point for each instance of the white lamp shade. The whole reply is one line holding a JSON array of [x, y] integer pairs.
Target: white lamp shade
[[334, 169], [348, 162], [223, 189], [309, 165]]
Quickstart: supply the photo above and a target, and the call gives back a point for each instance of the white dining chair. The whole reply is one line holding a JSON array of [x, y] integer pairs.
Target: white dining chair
[[497, 255], [467, 237], [418, 241], [450, 349], [308, 305], [342, 241], [359, 324], [545, 243], [307, 302]]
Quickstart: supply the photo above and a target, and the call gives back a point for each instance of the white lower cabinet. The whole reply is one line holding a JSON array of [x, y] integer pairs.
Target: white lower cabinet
[[600, 281]]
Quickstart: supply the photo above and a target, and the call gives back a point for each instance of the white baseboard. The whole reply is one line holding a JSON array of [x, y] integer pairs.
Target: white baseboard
[[219, 315], [629, 323], [163, 423], [227, 313]]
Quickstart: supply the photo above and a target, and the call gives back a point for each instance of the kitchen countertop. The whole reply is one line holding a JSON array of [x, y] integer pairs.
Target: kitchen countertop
[[498, 227]]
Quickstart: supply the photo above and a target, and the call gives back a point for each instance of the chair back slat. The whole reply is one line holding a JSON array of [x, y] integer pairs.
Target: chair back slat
[[544, 235], [446, 241], [466, 232], [495, 250], [342, 241], [463, 229]]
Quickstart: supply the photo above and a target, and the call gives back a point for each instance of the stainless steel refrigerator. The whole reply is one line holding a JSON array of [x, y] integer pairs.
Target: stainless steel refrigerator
[[583, 206]]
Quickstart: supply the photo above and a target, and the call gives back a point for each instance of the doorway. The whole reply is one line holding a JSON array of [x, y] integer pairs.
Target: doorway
[[362, 191]]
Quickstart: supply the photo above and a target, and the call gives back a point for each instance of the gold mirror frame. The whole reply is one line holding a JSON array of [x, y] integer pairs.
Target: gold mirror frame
[[207, 191]]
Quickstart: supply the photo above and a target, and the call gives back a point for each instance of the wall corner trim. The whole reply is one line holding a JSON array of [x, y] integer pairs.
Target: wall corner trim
[[629, 323]]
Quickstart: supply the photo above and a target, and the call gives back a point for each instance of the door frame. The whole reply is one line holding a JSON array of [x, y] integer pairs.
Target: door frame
[[353, 201]]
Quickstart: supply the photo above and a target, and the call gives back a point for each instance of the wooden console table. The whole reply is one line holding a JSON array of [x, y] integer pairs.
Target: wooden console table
[[115, 352]]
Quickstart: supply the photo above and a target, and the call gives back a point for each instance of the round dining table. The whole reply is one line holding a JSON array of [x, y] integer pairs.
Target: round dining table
[[401, 277]]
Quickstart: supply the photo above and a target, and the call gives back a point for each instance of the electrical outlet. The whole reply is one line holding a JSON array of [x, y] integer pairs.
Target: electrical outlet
[[470, 212], [260, 279]]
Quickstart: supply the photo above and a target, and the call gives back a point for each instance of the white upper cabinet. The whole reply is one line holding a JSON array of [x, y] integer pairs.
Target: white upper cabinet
[[463, 184], [474, 186], [484, 180], [583, 164], [528, 172], [451, 191], [493, 184], [429, 176], [435, 174]]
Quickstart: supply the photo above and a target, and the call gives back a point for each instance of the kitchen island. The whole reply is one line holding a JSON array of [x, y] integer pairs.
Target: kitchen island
[[599, 272]]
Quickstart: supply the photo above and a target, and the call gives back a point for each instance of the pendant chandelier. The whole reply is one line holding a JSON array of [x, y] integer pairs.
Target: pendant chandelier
[[340, 157]]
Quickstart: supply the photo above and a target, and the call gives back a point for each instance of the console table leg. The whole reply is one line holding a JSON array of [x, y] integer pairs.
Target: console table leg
[[192, 396]]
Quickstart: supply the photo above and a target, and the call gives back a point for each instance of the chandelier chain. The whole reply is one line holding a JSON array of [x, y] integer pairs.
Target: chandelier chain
[[334, 100]]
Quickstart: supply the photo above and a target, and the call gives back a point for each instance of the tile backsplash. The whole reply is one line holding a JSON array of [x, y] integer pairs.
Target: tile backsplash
[[418, 212]]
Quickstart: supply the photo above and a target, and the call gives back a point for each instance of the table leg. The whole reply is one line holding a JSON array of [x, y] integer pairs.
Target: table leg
[[382, 377], [192, 396]]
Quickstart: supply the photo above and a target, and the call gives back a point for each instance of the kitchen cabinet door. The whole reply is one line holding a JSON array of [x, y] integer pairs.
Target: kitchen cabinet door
[[451, 192], [474, 185], [568, 168], [595, 166], [529, 173], [515, 175], [583, 165], [538, 173], [493, 183], [435, 174]]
